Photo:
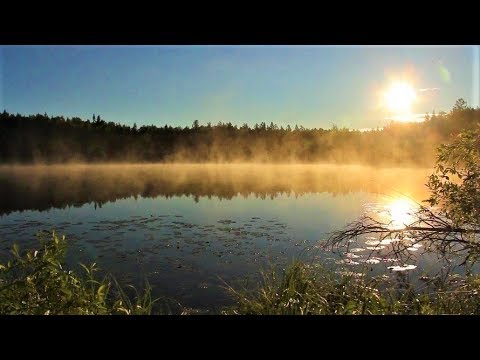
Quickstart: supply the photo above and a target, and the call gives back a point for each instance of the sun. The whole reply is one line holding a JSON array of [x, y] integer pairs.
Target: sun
[[399, 98]]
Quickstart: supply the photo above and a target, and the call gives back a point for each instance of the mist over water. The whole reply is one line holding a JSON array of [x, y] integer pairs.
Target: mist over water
[[190, 227], [42, 187]]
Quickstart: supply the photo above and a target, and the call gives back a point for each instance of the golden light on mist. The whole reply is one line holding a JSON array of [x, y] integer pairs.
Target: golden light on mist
[[399, 99]]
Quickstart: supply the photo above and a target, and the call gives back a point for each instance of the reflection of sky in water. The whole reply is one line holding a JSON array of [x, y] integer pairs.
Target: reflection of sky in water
[[183, 244]]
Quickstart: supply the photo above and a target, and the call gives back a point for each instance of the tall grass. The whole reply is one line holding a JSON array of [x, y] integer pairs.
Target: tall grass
[[302, 289], [36, 282]]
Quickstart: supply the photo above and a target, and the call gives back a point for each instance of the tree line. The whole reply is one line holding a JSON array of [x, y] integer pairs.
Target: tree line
[[56, 139]]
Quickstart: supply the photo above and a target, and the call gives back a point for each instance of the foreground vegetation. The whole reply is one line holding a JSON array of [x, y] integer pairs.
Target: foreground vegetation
[[36, 282], [303, 289]]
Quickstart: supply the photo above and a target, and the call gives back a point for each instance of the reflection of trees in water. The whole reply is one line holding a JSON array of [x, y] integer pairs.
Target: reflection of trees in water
[[43, 187]]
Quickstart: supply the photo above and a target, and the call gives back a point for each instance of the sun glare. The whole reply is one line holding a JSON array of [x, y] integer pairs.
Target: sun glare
[[399, 98], [401, 211]]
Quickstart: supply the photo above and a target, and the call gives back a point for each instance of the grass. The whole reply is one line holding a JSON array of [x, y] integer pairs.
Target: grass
[[305, 290], [36, 283]]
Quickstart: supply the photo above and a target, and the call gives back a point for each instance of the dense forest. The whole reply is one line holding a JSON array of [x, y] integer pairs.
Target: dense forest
[[45, 139]]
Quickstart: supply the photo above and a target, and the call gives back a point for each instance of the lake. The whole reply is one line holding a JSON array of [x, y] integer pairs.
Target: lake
[[190, 228]]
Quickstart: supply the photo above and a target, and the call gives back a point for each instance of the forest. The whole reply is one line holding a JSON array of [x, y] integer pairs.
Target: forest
[[55, 139]]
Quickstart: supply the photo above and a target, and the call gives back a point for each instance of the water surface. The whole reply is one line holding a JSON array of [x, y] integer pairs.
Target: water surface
[[189, 229]]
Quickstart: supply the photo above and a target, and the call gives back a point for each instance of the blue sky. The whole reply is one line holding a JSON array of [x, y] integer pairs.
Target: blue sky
[[313, 86]]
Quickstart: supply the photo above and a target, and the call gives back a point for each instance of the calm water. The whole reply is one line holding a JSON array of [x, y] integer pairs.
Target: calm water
[[190, 228]]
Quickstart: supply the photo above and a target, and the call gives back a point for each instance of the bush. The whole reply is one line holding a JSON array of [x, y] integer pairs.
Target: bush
[[37, 282]]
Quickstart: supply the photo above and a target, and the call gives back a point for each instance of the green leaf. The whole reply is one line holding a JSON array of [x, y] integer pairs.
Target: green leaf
[[101, 290], [15, 249]]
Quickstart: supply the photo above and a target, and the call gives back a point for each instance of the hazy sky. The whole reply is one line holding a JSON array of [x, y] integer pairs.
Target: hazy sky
[[313, 86]]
